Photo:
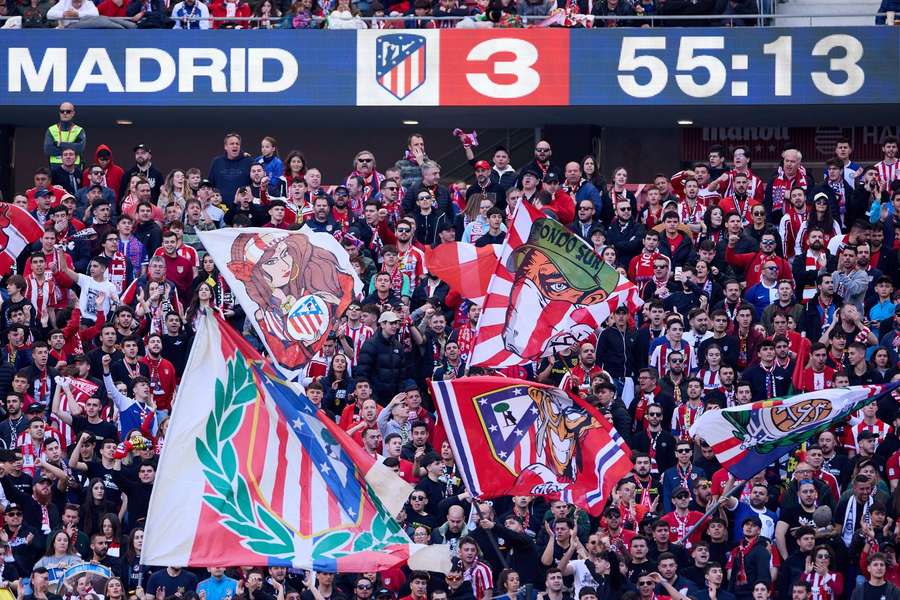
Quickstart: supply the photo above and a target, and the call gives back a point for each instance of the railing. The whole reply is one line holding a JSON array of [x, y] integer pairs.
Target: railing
[[641, 20]]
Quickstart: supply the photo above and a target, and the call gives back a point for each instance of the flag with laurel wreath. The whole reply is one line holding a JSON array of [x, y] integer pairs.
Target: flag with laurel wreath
[[252, 473]]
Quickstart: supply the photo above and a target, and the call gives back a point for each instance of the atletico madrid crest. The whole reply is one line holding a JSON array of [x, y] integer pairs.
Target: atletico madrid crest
[[400, 63], [507, 415]]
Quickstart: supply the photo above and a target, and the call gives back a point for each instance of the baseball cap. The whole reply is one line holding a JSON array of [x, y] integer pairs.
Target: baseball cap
[[531, 172], [550, 238], [205, 183], [612, 510], [551, 177], [752, 519], [482, 164], [13, 506], [35, 408], [820, 195], [142, 147], [341, 189], [384, 592], [866, 435], [103, 152], [42, 193], [681, 491], [388, 316]]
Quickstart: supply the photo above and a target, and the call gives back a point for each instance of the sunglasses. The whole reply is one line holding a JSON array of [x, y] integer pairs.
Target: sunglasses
[[654, 414], [682, 496], [821, 201], [823, 556], [767, 242], [424, 198], [757, 213], [66, 112], [676, 361], [645, 583], [684, 451], [364, 160], [404, 230], [625, 209], [542, 149], [453, 577], [417, 498], [364, 587], [14, 513], [660, 267]]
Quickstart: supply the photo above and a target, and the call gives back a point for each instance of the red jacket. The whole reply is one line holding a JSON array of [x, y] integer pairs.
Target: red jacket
[[164, 373], [114, 173], [218, 9], [752, 264]]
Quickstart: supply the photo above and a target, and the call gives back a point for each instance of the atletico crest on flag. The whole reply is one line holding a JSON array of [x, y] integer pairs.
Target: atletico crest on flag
[[400, 63], [519, 438]]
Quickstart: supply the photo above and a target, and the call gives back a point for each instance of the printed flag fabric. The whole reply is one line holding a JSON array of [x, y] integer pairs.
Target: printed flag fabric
[[18, 229], [293, 286], [252, 473], [516, 437], [748, 438], [549, 290], [466, 268]]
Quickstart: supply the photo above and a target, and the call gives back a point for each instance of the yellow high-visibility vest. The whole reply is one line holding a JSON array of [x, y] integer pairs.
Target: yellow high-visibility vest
[[67, 137]]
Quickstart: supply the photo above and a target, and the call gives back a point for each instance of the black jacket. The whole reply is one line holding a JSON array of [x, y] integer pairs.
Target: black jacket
[[441, 194], [615, 351], [383, 362], [627, 239]]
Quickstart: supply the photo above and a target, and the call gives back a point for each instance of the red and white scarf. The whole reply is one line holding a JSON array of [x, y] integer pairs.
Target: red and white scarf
[[782, 185], [738, 557]]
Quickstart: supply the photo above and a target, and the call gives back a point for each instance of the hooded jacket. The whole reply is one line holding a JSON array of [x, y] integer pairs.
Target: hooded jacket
[[114, 173]]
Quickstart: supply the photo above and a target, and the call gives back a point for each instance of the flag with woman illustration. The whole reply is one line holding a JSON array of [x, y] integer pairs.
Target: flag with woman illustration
[[293, 285]]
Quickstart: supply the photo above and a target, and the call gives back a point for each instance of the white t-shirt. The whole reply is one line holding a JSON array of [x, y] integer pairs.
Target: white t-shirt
[[87, 300], [582, 576]]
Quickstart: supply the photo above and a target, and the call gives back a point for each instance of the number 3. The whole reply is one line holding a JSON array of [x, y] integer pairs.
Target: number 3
[[527, 79], [856, 77]]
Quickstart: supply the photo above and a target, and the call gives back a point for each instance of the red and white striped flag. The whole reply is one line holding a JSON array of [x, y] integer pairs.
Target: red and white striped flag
[[549, 290], [510, 440], [466, 268], [18, 229]]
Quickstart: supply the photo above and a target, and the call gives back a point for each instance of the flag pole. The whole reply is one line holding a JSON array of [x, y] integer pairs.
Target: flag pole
[[737, 484]]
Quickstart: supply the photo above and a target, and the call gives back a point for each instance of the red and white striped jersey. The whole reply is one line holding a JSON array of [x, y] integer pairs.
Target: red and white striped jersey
[[481, 577], [42, 294], [709, 378], [358, 337], [888, 173], [824, 587], [851, 434]]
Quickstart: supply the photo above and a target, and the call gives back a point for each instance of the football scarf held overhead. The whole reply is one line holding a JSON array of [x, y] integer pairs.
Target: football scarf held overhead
[[750, 437], [516, 437], [252, 473], [293, 285], [18, 229], [467, 269], [549, 290]]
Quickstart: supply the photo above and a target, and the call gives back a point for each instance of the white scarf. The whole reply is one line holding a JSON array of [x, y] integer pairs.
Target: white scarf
[[850, 519]]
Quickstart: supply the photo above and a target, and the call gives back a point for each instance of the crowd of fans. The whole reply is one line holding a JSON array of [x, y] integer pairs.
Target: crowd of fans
[[753, 289], [388, 14]]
